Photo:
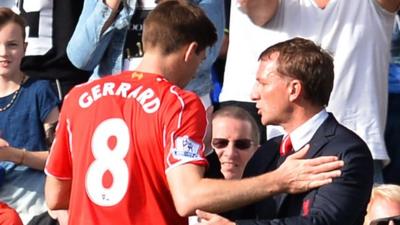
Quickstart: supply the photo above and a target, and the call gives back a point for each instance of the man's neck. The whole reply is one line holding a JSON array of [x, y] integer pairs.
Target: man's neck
[[299, 116], [170, 66], [302, 134], [322, 3], [152, 63]]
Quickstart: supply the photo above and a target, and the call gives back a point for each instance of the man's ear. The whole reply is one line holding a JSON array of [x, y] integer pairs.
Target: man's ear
[[295, 89], [25, 46], [191, 51]]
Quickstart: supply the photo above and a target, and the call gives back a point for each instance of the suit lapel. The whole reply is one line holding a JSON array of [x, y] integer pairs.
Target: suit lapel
[[322, 136], [265, 158], [319, 140]]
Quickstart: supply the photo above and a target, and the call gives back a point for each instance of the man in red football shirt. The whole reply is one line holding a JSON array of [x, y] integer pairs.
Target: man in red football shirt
[[129, 148]]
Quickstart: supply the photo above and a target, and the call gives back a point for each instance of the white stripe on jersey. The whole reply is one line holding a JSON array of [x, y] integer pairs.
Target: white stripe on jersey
[[180, 99], [69, 136]]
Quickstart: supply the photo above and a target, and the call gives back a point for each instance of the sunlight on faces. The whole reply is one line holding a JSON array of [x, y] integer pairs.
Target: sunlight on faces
[[270, 92], [380, 208], [233, 160], [12, 49]]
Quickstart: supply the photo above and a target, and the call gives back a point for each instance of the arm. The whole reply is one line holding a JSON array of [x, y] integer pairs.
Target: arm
[[95, 30], [191, 191], [390, 5], [58, 166], [260, 12], [113, 5], [57, 193], [50, 125], [32, 159], [343, 201]]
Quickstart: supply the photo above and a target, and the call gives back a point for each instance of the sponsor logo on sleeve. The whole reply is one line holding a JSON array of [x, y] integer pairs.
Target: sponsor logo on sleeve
[[186, 149]]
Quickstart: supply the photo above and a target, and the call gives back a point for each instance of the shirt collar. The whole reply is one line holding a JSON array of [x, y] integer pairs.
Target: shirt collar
[[303, 134]]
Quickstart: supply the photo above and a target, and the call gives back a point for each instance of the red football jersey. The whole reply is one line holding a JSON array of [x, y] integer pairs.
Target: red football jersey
[[116, 139]]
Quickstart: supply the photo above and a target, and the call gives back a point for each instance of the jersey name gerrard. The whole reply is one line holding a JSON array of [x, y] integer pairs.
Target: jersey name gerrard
[[117, 138], [145, 96]]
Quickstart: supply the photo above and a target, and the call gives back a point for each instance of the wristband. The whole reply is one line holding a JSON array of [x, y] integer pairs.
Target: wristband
[[22, 157]]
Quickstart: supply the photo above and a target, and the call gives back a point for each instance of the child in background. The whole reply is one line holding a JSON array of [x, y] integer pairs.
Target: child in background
[[28, 114]]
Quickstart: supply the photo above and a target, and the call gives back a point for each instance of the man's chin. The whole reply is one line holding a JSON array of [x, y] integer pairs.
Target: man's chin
[[231, 176], [264, 121]]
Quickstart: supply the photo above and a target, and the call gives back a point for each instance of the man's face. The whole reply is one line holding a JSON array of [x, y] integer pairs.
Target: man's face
[[380, 208], [271, 92], [234, 145]]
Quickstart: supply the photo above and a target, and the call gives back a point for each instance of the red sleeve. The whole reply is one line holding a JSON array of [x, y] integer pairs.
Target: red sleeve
[[58, 163], [185, 130]]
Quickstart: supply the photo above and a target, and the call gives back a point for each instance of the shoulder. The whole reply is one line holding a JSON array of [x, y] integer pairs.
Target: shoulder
[[38, 83], [333, 130], [344, 142], [39, 87], [180, 96], [346, 136], [187, 96], [338, 140], [183, 104]]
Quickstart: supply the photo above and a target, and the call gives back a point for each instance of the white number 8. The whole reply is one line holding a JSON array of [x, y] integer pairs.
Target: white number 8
[[111, 160]]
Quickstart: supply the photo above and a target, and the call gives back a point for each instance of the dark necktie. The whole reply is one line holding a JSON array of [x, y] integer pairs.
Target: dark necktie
[[286, 146]]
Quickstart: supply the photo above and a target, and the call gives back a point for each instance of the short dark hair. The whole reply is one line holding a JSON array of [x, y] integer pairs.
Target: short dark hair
[[302, 59], [239, 113], [7, 16], [175, 23]]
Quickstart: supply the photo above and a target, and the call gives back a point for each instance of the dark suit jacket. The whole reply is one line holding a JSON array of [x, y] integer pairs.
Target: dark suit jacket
[[343, 202]]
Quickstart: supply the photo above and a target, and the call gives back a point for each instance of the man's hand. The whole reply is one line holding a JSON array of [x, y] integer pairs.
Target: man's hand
[[6, 151], [298, 175], [113, 4], [212, 219], [260, 12], [3, 143], [60, 215]]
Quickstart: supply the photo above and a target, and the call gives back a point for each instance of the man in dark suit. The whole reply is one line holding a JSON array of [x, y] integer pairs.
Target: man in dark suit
[[294, 82]]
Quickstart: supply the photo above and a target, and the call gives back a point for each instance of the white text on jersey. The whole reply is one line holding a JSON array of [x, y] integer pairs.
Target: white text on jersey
[[146, 97]]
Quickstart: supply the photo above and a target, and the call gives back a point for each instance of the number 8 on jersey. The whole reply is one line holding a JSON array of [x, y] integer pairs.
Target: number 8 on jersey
[[107, 159]]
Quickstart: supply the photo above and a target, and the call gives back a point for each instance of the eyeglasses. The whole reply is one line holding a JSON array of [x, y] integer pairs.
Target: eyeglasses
[[241, 144], [385, 221]]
